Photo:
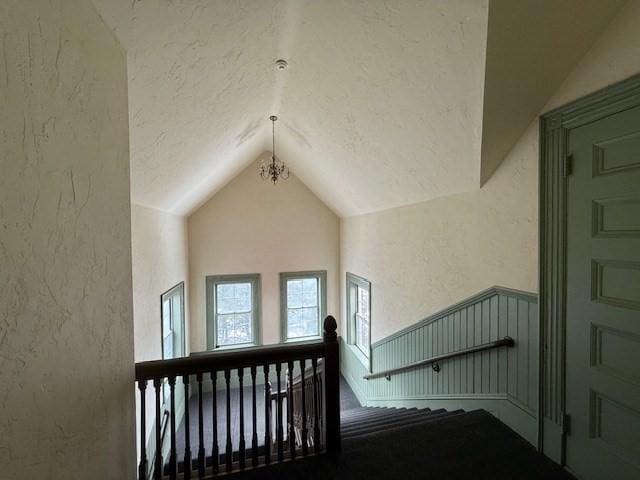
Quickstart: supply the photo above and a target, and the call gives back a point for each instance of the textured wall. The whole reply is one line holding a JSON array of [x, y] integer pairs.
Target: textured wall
[[160, 261], [425, 257], [252, 226], [66, 329]]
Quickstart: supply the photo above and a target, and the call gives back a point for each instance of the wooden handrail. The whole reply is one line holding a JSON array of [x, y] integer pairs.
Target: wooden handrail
[[240, 358], [312, 402], [503, 342]]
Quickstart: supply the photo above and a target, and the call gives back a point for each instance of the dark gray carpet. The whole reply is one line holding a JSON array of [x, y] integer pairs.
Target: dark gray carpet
[[474, 445], [348, 401]]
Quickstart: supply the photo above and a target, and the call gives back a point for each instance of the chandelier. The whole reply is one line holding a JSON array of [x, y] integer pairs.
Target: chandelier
[[275, 169]]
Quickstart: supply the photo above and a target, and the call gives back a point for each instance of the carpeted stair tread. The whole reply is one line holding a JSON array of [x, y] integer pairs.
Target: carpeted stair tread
[[454, 421], [386, 420], [366, 412], [393, 413], [401, 423], [468, 445]]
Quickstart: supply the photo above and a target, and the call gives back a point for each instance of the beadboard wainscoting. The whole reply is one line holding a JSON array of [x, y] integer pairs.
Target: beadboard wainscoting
[[503, 381]]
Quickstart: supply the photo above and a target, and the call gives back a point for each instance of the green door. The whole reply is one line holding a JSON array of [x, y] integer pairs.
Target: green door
[[603, 298]]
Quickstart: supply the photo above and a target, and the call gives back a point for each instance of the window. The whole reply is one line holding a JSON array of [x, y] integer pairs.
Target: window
[[359, 315], [172, 329], [233, 308], [303, 304], [172, 326]]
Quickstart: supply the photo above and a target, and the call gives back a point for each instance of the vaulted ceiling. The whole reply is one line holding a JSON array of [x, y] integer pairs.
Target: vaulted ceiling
[[382, 103]]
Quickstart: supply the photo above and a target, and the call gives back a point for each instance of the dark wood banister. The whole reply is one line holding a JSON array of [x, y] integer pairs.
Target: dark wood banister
[[503, 342], [232, 359], [231, 362]]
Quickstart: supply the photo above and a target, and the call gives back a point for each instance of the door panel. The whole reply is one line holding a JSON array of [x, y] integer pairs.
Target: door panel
[[603, 298]]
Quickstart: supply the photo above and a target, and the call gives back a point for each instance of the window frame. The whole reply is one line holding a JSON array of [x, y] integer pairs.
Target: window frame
[[175, 290], [321, 276], [352, 283], [212, 281]]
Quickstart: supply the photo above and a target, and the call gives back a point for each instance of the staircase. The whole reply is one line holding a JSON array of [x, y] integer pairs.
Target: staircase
[[361, 422]]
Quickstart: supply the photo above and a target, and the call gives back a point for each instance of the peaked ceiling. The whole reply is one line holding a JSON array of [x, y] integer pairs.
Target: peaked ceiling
[[381, 105]]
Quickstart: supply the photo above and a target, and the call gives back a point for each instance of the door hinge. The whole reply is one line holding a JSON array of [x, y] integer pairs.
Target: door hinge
[[566, 424], [567, 166]]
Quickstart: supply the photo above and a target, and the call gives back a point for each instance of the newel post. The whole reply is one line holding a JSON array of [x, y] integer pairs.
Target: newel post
[[332, 384]]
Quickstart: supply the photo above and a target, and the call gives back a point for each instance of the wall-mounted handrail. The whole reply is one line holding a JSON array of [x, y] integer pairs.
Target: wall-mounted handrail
[[503, 342]]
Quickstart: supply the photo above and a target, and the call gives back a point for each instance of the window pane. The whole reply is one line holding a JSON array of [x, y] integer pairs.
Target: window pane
[[234, 305], [233, 297], [167, 344], [303, 302], [302, 322], [294, 293], [362, 320], [234, 329], [166, 316]]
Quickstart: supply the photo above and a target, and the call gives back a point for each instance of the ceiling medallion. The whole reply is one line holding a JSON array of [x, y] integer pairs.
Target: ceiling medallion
[[275, 169]]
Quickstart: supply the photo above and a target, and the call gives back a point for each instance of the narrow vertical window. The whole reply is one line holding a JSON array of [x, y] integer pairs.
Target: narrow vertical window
[[233, 310], [172, 313], [303, 304], [363, 320], [359, 316]]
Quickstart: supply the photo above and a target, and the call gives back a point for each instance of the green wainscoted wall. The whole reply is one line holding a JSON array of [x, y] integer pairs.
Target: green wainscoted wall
[[503, 381]]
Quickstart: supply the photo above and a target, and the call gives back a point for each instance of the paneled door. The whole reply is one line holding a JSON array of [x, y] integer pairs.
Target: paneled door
[[603, 298]]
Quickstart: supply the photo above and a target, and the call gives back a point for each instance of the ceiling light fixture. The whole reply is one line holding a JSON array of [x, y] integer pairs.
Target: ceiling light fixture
[[274, 169]]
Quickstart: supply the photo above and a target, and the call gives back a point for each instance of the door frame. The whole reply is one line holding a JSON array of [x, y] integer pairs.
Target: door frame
[[554, 170]]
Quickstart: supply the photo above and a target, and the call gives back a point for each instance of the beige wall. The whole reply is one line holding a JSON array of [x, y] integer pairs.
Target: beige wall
[[160, 261], [252, 226], [427, 256], [66, 328], [424, 257]]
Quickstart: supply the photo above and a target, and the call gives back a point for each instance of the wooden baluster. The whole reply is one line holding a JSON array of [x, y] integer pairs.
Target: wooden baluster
[[201, 454], [173, 455], [254, 437], [290, 407], [215, 452], [157, 469], [316, 407], [242, 451], [229, 449], [304, 408], [267, 416], [332, 385], [142, 468], [187, 437], [279, 432]]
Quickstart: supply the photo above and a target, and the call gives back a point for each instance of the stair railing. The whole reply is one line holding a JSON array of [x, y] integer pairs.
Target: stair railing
[[316, 406], [304, 393], [435, 360]]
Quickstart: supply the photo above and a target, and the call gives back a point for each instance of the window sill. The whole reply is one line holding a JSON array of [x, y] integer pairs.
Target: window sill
[[315, 338], [239, 346]]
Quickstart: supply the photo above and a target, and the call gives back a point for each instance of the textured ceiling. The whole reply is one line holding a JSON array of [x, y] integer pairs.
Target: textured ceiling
[[384, 103], [381, 105]]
